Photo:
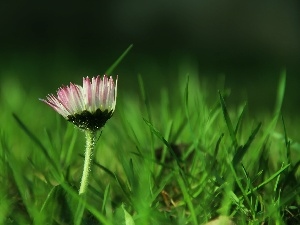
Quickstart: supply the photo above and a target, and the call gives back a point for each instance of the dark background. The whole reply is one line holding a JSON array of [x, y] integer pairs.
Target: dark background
[[49, 43]]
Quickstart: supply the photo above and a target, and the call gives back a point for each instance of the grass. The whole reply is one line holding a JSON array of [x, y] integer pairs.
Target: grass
[[178, 160]]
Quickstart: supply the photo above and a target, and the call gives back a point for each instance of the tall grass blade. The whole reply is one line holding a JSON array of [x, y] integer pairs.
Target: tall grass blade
[[240, 119], [186, 97], [241, 151], [188, 199], [109, 172], [145, 97], [228, 121], [286, 140], [271, 126], [117, 62], [218, 144], [280, 93], [243, 190], [105, 198], [49, 198]]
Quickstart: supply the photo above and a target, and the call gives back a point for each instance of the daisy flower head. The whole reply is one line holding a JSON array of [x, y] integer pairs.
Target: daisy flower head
[[88, 106]]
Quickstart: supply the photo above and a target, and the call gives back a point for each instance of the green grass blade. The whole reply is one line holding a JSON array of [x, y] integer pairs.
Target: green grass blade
[[270, 178], [186, 97], [53, 153], [20, 182], [48, 199], [271, 126], [70, 149], [105, 198], [127, 217], [228, 121], [290, 176], [240, 119], [145, 97], [117, 62], [109, 172], [78, 216], [165, 180], [40, 145], [188, 199], [280, 93], [241, 151], [176, 134], [218, 144], [243, 190], [286, 140], [131, 176], [160, 137]]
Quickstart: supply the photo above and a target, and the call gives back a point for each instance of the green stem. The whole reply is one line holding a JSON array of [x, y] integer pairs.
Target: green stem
[[90, 144]]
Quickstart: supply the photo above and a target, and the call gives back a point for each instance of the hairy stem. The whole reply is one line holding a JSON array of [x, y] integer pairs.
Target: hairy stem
[[90, 144]]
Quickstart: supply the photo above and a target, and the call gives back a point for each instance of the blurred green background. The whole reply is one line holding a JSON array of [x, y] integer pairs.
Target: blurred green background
[[48, 43]]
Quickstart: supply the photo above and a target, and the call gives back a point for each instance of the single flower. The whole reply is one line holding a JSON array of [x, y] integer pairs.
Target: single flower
[[88, 106]]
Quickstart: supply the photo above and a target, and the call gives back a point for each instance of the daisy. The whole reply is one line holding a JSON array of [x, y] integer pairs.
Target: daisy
[[88, 107]]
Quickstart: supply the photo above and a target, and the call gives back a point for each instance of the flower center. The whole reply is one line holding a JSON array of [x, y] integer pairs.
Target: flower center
[[90, 121]]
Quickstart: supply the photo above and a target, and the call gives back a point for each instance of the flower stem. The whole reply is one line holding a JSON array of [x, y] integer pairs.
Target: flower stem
[[90, 144]]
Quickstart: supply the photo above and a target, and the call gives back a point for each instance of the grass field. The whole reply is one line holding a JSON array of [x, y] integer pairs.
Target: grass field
[[178, 160]]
